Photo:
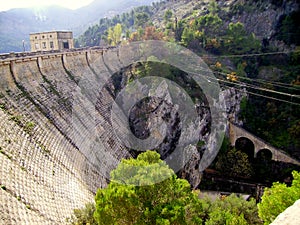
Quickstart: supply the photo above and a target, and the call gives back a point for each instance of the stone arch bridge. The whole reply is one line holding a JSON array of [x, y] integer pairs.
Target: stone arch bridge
[[259, 145]]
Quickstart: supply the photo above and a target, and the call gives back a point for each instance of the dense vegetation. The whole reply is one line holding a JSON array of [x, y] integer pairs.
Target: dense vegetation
[[277, 198], [146, 191], [129, 21]]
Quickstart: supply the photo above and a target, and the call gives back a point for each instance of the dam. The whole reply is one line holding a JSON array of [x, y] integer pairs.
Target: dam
[[58, 143], [44, 176]]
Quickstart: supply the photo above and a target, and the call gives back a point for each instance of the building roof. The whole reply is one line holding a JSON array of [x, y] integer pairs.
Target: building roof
[[56, 31]]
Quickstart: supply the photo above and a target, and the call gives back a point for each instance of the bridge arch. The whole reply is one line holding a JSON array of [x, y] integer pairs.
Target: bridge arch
[[244, 144], [264, 154], [236, 132]]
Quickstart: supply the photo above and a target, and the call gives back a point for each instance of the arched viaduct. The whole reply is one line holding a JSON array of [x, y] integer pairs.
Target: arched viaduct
[[236, 133]]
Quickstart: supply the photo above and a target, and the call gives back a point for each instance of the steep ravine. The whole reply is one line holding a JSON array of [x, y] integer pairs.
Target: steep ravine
[[152, 112]]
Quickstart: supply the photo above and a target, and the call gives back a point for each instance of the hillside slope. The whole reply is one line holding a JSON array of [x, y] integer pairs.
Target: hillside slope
[[17, 24]]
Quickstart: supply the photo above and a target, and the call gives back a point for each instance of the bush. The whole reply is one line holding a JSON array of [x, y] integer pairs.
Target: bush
[[277, 198], [84, 215]]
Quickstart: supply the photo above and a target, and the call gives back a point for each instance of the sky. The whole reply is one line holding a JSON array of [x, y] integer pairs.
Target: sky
[[71, 4]]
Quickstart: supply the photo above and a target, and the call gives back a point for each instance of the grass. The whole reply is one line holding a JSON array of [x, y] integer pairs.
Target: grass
[[29, 126], [3, 107], [43, 147], [16, 118]]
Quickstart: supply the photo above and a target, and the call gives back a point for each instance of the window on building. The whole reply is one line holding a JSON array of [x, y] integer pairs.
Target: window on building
[[44, 45], [66, 45], [43, 36], [51, 44], [35, 37], [50, 36], [37, 46]]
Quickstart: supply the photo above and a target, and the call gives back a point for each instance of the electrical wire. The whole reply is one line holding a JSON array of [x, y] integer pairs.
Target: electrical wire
[[261, 81], [265, 83], [250, 55], [252, 93], [242, 84]]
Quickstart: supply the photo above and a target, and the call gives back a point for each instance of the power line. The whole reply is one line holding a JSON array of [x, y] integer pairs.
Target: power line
[[268, 97], [262, 82], [278, 84], [245, 85], [270, 90], [276, 99], [251, 55], [264, 96], [242, 84]]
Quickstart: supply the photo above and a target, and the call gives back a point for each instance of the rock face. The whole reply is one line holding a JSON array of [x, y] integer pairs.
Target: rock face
[[290, 216], [233, 98], [152, 112], [262, 17]]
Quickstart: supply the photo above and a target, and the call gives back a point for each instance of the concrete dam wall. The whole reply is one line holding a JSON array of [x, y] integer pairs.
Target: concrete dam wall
[[48, 166]]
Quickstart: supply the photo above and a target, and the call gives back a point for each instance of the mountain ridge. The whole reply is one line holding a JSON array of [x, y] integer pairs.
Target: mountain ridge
[[16, 24]]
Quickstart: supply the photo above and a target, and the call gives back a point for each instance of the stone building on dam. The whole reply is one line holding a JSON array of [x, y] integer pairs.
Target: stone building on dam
[[57, 141], [51, 40]]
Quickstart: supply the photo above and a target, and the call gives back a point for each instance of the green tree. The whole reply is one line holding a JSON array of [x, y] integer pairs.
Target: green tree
[[141, 19], [200, 30], [288, 29], [213, 7], [209, 24], [277, 198], [238, 41], [146, 191], [83, 215], [233, 210], [234, 163], [187, 36], [168, 15], [114, 34]]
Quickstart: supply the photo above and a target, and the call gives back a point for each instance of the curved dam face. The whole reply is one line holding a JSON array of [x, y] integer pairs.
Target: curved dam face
[[49, 165]]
